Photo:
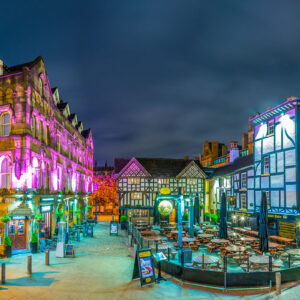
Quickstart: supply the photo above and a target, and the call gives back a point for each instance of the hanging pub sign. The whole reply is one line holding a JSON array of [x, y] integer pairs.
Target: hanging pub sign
[[165, 207], [113, 228], [144, 267]]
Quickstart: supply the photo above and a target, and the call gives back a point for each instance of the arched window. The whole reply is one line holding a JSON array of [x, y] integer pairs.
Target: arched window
[[41, 83], [41, 131], [5, 174], [33, 127], [47, 135], [36, 174], [5, 124]]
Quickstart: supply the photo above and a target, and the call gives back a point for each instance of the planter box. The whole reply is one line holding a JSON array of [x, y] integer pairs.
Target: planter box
[[8, 251]]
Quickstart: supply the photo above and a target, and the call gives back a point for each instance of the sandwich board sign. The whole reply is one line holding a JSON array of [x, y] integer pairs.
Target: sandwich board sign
[[113, 228], [144, 267], [69, 250]]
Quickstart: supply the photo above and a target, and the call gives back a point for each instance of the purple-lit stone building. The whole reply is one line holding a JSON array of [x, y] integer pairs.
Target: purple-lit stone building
[[46, 156]]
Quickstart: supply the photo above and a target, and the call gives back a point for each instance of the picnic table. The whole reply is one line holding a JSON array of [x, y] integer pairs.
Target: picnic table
[[294, 251], [234, 248], [219, 241], [281, 239], [205, 235], [259, 259], [205, 260], [250, 239], [147, 232], [252, 232], [155, 238]]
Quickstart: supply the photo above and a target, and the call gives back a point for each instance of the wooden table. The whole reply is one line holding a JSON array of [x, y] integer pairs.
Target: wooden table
[[147, 233], [234, 248], [205, 260], [205, 235], [259, 259], [294, 251], [274, 245], [155, 238], [188, 239], [219, 241], [252, 232], [281, 239], [248, 239]]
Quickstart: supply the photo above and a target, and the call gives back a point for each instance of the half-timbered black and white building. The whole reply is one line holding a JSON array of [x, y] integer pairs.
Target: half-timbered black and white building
[[141, 179]]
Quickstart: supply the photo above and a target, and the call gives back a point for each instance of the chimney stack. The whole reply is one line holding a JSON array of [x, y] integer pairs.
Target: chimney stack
[[1, 67]]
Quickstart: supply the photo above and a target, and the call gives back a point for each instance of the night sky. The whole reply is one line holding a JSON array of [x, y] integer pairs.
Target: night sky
[[157, 78]]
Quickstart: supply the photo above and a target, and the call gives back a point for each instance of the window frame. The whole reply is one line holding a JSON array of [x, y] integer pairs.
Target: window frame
[[243, 200], [266, 158], [244, 180], [4, 125]]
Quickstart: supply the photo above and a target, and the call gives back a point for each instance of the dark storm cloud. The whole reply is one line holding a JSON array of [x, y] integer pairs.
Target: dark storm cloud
[[159, 77]]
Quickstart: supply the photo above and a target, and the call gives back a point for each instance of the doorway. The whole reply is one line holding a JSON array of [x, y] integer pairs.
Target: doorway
[[47, 223], [17, 232]]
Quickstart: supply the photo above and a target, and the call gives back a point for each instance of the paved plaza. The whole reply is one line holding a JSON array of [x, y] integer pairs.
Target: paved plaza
[[102, 269]]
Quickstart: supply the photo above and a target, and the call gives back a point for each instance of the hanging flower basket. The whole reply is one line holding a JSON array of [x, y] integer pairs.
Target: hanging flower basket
[[5, 219], [39, 218]]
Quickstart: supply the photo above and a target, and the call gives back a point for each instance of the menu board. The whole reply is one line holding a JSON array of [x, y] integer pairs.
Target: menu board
[[113, 228], [145, 266], [287, 230], [69, 250]]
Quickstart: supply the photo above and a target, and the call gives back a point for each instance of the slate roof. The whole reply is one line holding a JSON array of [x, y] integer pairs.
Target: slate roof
[[19, 68], [239, 163], [86, 133], [157, 167]]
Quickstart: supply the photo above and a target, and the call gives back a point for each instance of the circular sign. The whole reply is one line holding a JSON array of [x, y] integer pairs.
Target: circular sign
[[165, 208]]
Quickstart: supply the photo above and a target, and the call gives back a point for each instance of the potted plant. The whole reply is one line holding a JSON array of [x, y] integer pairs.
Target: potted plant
[[123, 221], [207, 214], [201, 206], [39, 217], [7, 244], [5, 219], [34, 242]]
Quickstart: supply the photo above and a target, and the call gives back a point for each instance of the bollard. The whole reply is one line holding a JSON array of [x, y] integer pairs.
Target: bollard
[[3, 273], [270, 263], [278, 283], [47, 257], [29, 265], [225, 264]]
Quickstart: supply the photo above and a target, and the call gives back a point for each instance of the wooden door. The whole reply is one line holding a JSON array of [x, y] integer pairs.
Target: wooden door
[[17, 231]]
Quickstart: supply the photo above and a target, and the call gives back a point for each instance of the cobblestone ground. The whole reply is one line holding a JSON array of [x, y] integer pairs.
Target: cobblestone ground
[[102, 269]]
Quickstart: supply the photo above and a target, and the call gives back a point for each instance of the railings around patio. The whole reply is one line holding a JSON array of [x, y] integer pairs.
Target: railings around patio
[[234, 267]]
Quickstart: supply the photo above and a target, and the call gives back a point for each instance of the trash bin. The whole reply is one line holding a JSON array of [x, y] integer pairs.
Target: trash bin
[[187, 253]]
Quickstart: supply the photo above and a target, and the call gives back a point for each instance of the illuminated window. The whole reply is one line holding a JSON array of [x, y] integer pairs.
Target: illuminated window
[[58, 143], [41, 131], [266, 165], [244, 180], [33, 127], [41, 85], [271, 128], [243, 200], [136, 196], [163, 181], [5, 174], [191, 181], [134, 180], [5, 124]]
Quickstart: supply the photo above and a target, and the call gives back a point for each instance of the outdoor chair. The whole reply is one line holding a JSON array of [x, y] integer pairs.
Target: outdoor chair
[[210, 247]]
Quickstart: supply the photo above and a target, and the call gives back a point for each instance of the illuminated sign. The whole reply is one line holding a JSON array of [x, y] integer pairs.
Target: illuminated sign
[[19, 217], [46, 208], [47, 199], [165, 208], [165, 191]]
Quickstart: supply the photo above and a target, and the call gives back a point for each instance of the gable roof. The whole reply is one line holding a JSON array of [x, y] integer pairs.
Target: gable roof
[[19, 68], [239, 163], [157, 167]]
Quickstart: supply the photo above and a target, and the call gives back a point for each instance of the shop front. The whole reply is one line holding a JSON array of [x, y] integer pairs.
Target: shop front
[[19, 227], [46, 210]]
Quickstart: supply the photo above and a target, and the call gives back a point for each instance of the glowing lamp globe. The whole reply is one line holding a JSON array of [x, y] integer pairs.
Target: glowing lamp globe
[[165, 208]]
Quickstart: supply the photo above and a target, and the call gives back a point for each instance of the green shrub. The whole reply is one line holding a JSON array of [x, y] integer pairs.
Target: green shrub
[[138, 206], [207, 214], [127, 205], [34, 238], [77, 211], [89, 206], [60, 213], [213, 218], [201, 206], [123, 219], [7, 241]]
